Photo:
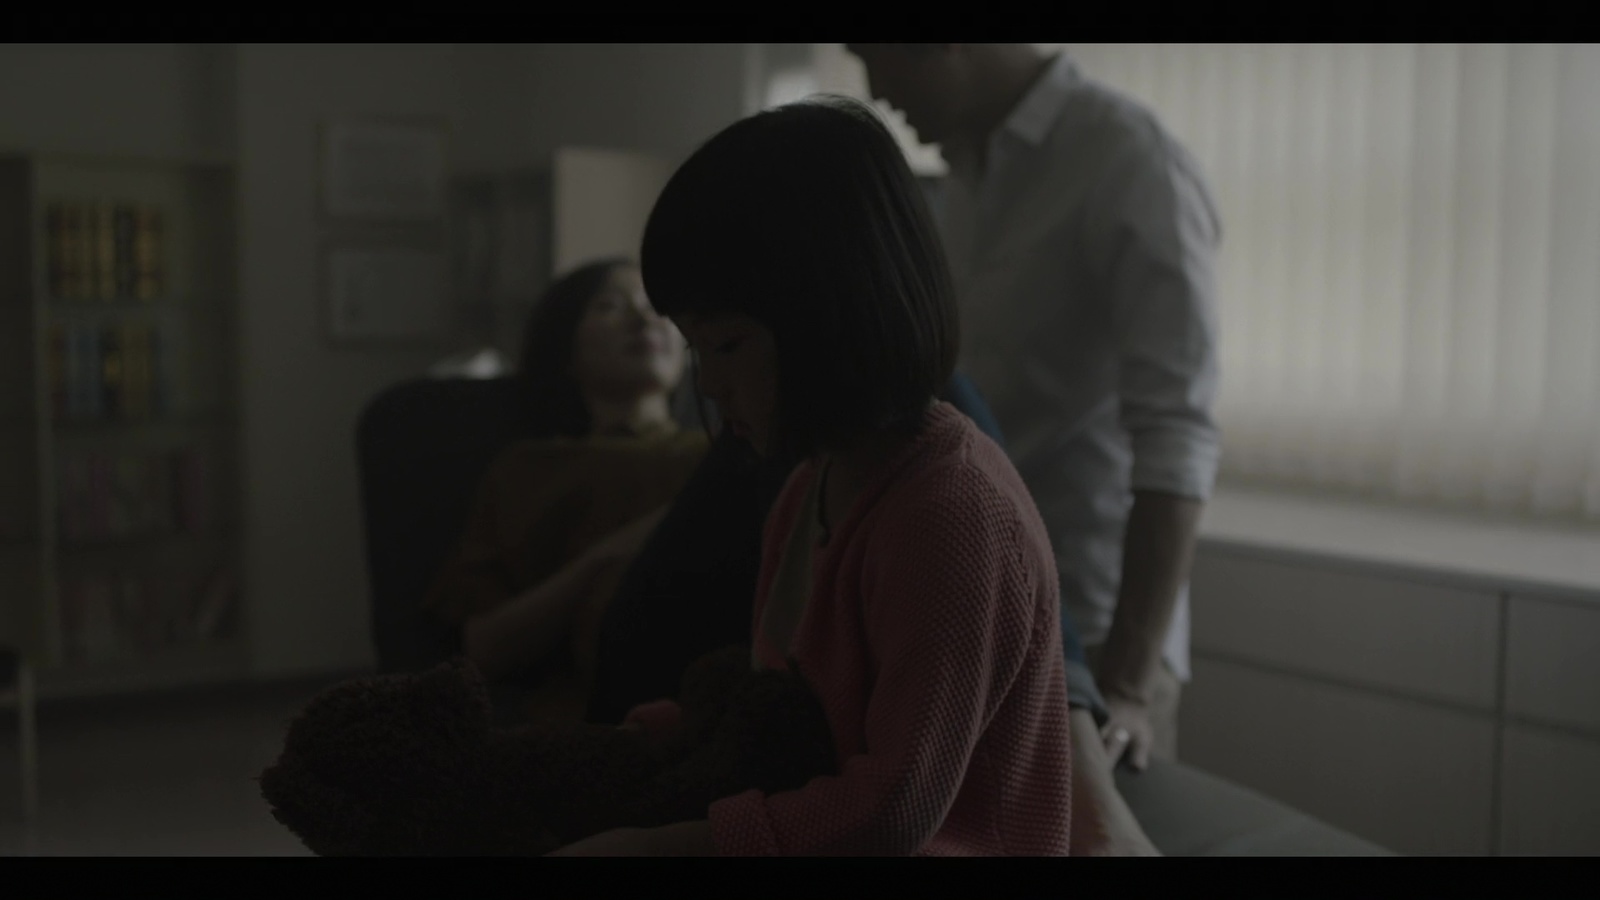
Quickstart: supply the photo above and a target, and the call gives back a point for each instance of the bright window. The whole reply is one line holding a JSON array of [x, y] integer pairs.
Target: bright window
[[1410, 273]]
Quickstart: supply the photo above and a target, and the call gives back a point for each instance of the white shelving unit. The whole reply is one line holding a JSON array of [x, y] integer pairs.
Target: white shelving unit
[[192, 311]]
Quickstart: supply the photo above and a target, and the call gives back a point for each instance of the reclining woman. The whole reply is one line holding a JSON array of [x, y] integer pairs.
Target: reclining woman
[[557, 519], [527, 590], [904, 570]]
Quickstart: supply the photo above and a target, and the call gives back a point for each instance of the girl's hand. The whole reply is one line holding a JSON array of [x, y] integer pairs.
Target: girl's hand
[[683, 839], [1102, 823], [616, 842], [625, 543]]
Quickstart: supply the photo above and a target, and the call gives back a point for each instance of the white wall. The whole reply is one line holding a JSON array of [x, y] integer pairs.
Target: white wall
[[839, 71], [168, 101], [301, 396], [519, 102]]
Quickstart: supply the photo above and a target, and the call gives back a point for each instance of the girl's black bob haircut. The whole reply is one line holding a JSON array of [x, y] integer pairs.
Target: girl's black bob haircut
[[807, 218]]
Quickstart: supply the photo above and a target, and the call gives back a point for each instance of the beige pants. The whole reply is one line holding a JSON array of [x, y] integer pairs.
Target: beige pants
[[1163, 707]]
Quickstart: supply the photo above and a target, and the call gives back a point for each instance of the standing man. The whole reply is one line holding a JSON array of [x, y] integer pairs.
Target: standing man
[[1083, 242]]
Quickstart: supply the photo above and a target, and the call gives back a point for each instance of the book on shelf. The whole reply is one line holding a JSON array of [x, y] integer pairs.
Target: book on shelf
[[162, 370], [93, 373], [148, 371], [125, 501], [148, 237], [134, 343], [105, 251], [83, 370], [127, 337], [58, 250], [123, 271], [214, 603], [105, 496], [159, 482], [77, 373], [137, 612], [103, 241], [88, 618], [137, 371], [70, 251], [72, 503], [146, 620], [113, 372], [78, 252], [193, 477], [100, 517], [57, 355]]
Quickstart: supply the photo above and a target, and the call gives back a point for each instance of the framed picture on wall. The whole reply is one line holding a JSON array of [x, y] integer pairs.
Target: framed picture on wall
[[385, 292], [388, 171]]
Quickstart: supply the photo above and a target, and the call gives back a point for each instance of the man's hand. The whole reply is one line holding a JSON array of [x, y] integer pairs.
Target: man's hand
[[1156, 555], [1128, 734], [1102, 823]]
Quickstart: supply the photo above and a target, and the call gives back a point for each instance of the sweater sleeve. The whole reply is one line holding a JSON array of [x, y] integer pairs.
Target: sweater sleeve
[[948, 615], [473, 581]]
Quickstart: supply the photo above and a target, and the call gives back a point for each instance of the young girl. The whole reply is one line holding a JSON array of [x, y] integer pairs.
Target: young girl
[[905, 571]]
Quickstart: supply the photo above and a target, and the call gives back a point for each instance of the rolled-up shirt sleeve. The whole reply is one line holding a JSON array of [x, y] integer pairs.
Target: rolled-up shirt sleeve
[[1157, 232], [474, 580], [1082, 692]]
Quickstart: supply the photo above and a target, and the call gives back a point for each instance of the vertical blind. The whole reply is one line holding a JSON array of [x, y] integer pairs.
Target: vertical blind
[[1410, 272]]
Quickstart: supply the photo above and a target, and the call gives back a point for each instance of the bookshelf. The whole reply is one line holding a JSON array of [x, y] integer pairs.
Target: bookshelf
[[119, 453]]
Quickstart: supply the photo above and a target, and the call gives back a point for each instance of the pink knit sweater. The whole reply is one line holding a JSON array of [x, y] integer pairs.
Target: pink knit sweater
[[932, 636]]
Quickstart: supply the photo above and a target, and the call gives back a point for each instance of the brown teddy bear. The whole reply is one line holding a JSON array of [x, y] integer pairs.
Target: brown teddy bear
[[412, 765]]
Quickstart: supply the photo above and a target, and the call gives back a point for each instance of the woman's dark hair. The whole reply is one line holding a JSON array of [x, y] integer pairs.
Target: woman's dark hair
[[544, 365], [807, 218]]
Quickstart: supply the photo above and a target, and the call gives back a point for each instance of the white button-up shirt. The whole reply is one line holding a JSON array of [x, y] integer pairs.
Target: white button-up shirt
[[1083, 254]]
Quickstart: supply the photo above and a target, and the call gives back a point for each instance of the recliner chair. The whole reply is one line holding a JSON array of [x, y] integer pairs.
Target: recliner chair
[[422, 447]]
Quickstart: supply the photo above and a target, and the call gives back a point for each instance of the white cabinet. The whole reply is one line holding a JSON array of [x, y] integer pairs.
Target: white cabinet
[[1431, 714], [1409, 776], [1406, 637], [1553, 662], [1550, 796]]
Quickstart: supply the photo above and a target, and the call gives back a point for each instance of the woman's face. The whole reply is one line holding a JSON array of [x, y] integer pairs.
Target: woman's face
[[621, 347], [738, 370]]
